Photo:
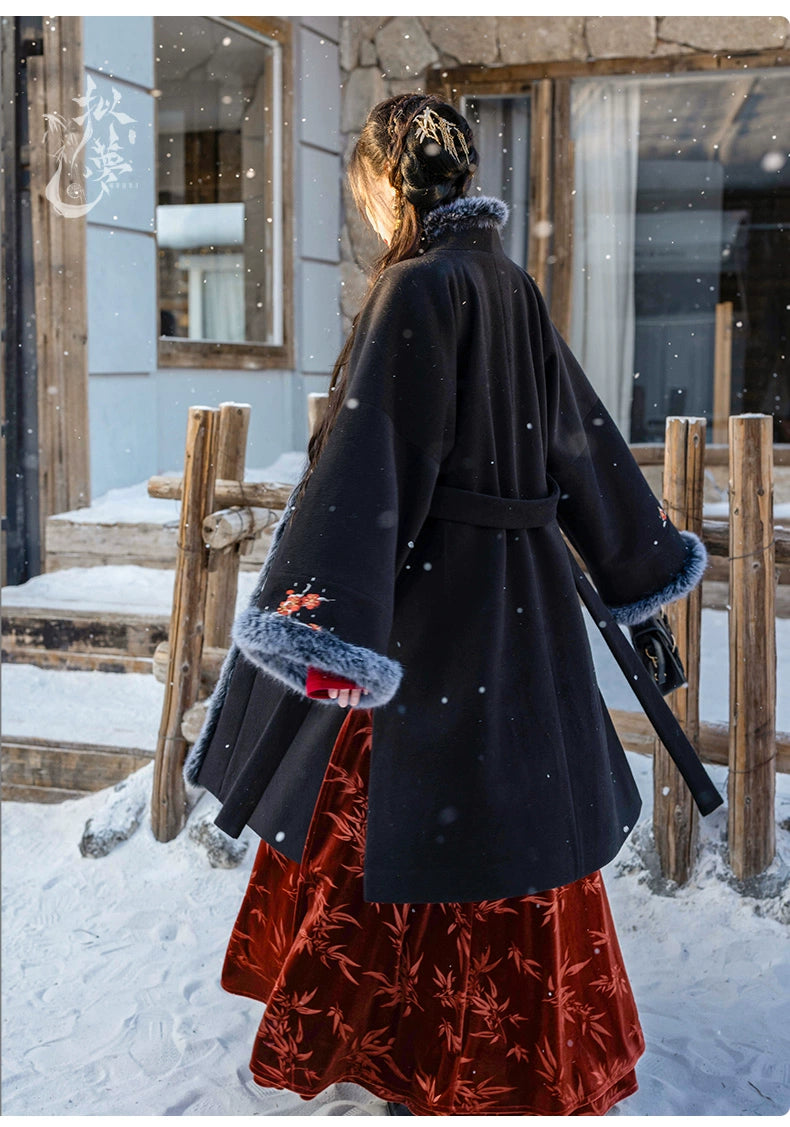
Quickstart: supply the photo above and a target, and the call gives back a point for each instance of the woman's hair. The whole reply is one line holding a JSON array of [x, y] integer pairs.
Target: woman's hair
[[426, 150]]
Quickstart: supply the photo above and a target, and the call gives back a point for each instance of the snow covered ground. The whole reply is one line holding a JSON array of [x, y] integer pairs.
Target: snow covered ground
[[110, 966], [112, 1004], [118, 588]]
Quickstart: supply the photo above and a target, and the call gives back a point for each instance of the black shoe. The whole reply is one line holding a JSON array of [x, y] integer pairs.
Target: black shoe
[[397, 1109]]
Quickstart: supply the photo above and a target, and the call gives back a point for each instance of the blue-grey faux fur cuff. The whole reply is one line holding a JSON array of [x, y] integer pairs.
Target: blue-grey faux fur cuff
[[463, 214], [682, 584], [285, 649]]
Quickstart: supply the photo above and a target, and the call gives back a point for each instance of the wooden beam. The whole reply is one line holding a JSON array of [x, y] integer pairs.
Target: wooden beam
[[210, 664], [256, 494], [517, 78], [193, 721], [716, 454], [562, 209], [59, 267], [752, 777], [79, 632], [227, 528], [719, 143], [75, 767], [636, 733], [79, 662], [48, 795], [540, 183]]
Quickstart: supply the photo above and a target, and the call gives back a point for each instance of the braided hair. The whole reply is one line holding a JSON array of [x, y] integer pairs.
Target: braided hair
[[426, 150]]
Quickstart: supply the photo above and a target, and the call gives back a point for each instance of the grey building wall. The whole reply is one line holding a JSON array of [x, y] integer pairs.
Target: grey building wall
[[137, 410]]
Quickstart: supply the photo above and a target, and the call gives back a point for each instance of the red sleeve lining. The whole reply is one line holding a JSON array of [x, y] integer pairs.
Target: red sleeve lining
[[319, 683]]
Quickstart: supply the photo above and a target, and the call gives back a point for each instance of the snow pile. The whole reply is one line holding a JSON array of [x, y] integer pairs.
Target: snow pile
[[114, 588], [120, 816], [116, 709], [113, 1005], [223, 852], [132, 505]]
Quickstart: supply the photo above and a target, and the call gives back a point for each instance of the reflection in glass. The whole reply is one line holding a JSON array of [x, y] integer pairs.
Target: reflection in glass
[[218, 210], [682, 207], [501, 131]]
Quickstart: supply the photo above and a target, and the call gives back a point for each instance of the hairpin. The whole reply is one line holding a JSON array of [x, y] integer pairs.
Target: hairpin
[[432, 126]]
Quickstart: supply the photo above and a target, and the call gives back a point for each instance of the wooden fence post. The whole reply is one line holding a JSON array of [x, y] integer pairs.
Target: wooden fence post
[[168, 801], [752, 777], [674, 814], [223, 563]]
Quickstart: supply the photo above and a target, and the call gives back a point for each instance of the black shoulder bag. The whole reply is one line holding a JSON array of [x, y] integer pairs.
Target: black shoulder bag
[[658, 651]]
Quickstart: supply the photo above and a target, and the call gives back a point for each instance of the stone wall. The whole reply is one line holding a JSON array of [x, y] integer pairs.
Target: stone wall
[[383, 55]]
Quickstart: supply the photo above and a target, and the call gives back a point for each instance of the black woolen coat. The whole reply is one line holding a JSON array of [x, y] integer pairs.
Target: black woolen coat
[[495, 769]]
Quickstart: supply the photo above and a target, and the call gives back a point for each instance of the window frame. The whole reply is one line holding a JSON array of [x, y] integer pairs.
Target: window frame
[[179, 352], [548, 84], [551, 150]]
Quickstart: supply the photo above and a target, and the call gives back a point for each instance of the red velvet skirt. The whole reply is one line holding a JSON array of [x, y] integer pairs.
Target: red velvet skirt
[[504, 1007]]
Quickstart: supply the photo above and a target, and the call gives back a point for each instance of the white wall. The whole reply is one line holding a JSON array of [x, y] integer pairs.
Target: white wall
[[318, 169], [121, 264], [137, 411]]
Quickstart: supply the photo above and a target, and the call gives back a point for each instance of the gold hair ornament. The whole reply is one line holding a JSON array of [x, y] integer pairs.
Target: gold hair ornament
[[432, 126]]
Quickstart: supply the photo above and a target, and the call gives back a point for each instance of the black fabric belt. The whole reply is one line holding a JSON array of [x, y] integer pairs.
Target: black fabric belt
[[489, 511]]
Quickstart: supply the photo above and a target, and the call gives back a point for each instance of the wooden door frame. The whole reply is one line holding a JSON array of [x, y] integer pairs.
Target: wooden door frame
[[54, 79]]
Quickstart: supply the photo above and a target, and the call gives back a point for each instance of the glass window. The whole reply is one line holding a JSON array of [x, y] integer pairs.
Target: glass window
[[501, 130], [219, 203], [681, 222], [682, 209]]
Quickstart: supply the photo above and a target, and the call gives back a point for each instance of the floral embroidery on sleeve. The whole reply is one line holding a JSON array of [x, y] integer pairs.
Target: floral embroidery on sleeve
[[294, 602]]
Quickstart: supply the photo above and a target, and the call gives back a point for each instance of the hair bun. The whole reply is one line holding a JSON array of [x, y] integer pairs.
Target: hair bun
[[438, 156]]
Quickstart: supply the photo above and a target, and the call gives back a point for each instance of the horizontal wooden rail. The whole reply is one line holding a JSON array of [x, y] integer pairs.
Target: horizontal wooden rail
[[264, 494], [39, 770], [192, 721], [229, 526], [211, 663], [637, 734], [716, 453], [716, 537]]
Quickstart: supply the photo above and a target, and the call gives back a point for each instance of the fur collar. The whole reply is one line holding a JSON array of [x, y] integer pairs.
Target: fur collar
[[464, 214]]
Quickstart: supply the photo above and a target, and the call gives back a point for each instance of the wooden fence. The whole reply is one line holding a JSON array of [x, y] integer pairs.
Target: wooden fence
[[205, 594]]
